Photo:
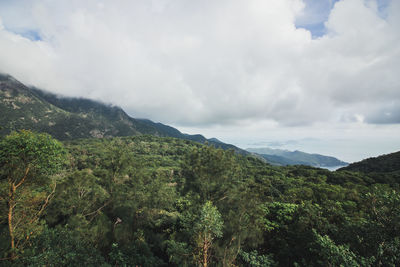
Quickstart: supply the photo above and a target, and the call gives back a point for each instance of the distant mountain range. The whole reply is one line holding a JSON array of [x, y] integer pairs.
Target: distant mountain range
[[285, 157], [64, 118]]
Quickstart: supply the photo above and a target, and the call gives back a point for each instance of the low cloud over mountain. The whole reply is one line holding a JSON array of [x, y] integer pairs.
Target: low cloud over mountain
[[285, 63]]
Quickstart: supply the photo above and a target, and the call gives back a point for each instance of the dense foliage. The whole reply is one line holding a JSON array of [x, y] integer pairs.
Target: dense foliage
[[381, 164], [151, 201], [25, 161], [382, 169]]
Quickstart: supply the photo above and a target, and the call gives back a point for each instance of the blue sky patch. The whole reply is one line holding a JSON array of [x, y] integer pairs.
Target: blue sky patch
[[30, 34], [382, 7], [316, 13]]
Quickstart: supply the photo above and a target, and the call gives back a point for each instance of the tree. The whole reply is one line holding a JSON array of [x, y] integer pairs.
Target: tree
[[330, 254], [207, 228], [80, 202], [380, 231], [210, 173], [26, 159], [216, 175], [60, 247]]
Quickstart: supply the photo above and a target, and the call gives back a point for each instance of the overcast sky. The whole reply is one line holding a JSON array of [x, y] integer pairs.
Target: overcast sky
[[322, 76]]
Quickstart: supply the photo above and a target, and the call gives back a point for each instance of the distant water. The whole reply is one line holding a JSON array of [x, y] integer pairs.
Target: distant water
[[333, 168]]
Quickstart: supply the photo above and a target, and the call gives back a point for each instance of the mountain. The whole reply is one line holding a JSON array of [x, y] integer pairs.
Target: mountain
[[380, 164], [286, 157], [65, 118], [382, 169]]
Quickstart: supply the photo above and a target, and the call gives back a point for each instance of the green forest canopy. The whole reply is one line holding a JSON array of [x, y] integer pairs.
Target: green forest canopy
[[150, 201]]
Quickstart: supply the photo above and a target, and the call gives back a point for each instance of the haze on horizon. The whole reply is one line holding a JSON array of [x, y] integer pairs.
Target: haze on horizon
[[318, 76]]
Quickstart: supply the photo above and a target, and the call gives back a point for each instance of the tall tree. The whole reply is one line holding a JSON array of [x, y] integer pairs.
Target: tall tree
[[210, 173], [26, 159], [208, 227]]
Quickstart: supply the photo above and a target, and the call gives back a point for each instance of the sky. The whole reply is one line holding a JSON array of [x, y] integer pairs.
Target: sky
[[321, 76]]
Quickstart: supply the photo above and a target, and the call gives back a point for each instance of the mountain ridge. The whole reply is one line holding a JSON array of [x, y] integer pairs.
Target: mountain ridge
[[380, 164], [383, 169], [71, 117], [285, 157]]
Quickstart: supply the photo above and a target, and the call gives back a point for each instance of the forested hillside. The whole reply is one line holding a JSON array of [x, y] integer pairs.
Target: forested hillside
[[381, 164], [64, 118], [383, 169], [152, 201]]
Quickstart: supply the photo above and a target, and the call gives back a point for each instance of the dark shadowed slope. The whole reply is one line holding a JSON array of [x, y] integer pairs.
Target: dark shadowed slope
[[382, 169], [384, 163]]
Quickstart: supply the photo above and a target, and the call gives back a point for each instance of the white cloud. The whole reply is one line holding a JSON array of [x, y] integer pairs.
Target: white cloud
[[210, 62]]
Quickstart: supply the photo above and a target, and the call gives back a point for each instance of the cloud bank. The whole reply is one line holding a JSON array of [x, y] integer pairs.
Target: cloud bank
[[211, 62]]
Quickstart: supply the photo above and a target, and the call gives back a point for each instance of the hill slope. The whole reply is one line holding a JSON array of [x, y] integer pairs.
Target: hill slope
[[65, 118], [381, 164], [382, 169], [285, 157]]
